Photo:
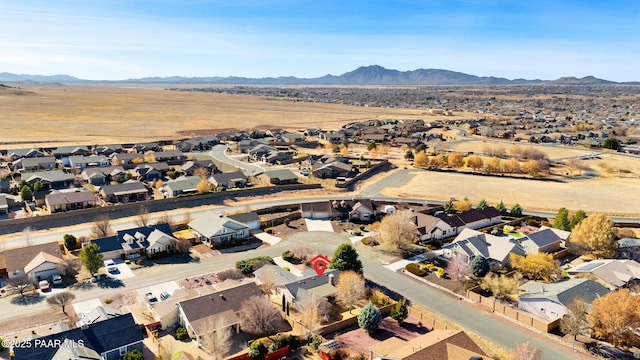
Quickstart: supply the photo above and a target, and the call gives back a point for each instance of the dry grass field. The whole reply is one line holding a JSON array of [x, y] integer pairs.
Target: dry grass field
[[608, 195], [92, 114]]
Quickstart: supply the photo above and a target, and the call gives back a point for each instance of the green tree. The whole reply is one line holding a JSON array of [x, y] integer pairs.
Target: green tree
[[369, 318], [562, 220], [409, 155], [134, 354], [611, 143], [479, 266], [346, 258], [448, 207], [91, 258], [257, 350], [577, 217], [516, 210], [482, 204], [500, 207], [70, 241], [400, 312], [37, 186], [26, 194]]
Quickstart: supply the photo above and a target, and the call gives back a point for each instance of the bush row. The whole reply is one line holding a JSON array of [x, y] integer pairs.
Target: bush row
[[248, 266]]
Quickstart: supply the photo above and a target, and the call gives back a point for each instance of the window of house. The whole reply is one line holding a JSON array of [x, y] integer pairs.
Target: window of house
[[122, 350]]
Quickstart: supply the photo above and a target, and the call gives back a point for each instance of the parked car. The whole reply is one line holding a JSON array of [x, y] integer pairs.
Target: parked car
[[151, 298], [164, 295], [56, 280], [111, 266], [44, 285], [304, 172]]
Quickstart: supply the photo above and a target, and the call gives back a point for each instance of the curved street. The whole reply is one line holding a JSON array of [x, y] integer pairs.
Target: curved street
[[219, 152]]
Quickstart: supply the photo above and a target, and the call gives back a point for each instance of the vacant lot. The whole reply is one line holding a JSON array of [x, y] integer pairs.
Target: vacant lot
[[609, 195], [91, 114]]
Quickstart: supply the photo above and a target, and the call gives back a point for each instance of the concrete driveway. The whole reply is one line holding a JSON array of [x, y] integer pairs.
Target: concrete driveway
[[124, 271], [318, 225]]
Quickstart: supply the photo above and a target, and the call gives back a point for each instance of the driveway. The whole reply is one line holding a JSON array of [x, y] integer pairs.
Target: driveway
[[268, 238], [318, 225], [124, 271]]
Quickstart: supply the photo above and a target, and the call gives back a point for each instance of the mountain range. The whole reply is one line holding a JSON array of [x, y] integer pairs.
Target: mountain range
[[364, 75]]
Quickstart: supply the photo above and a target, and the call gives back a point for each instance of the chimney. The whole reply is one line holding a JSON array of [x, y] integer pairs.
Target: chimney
[[220, 216], [331, 276]]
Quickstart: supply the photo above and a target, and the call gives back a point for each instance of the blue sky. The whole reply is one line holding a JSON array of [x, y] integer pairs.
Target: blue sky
[[120, 39]]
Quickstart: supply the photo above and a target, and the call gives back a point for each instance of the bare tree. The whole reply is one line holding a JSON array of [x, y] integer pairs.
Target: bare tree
[[218, 341], [231, 273], [143, 217], [524, 352], [302, 252], [69, 267], [575, 321], [201, 172], [312, 311], [350, 289], [458, 266], [187, 218], [165, 219], [20, 284], [61, 300], [268, 281], [502, 287], [27, 233], [397, 231], [259, 317], [101, 227], [183, 245]]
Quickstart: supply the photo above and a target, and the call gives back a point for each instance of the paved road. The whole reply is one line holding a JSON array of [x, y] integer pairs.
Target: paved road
[[219, 152]]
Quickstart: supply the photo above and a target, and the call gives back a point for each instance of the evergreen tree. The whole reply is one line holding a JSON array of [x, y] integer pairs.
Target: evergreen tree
[[562, 220], [91, 258], [516, 210], [400, 312], [577, 217], [500, 207], [37, 186], [449, 208], [482, 204], [369, 318], [26, 194], [346, 258], [479, 266]]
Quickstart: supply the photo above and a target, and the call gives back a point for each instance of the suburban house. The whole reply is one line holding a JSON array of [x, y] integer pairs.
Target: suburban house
[[72, 199], [171, 157], [15, 154], [99, 313], [152, 241], [544, 240], [5, 186], [122, 193], [4, 204], [280, 177], [629, 248], [103, 175], [611, 273], [229, 180], [35, 164], [126, 158], [471, 219], [550, 301], [290, 138], [53, 179], [355, 209], [190, 166], [150, 171], [251, 219], [146, 147], [470, 243], [107, 150], [199, 315], [436, 344], [332, 169], [62, 152], [198, 143], [110, 339], [181, 185], [213, 228], [299, 288], [36, 261], [431, 228], [82, 161]]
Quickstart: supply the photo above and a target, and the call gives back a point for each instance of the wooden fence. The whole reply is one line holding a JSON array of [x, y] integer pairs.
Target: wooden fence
[[350, 322]]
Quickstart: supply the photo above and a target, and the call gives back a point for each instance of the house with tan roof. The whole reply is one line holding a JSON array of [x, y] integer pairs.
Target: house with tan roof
[[431, 227], [436, 344], [36, 261]]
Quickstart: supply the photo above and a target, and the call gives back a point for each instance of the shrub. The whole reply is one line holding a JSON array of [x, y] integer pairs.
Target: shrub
[[70, 241], [359, 357], [369, 318], [315, 342], [232, 273], [268, 230], [369, 241], [257, 350], [287, 255], [414, 268], [284, 340], [181, 333], [108, 301], [440, 272], [248, 266], [287, 268], [357, 233], [379, 298], [400, 312]]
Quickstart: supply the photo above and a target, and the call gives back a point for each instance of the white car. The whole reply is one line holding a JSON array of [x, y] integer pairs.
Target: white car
[[111, 266]]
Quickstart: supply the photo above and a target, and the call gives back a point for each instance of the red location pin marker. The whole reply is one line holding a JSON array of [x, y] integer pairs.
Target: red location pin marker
[[320, 263]]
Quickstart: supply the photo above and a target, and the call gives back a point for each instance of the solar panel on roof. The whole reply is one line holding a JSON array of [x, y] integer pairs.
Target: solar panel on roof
[[590, 266]]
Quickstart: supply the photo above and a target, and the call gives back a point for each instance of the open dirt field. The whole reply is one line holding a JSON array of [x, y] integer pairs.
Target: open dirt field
[[92, 114], [613, 196]]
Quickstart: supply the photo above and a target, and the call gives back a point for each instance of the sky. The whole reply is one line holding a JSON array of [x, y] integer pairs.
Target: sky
[[123, 39]]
